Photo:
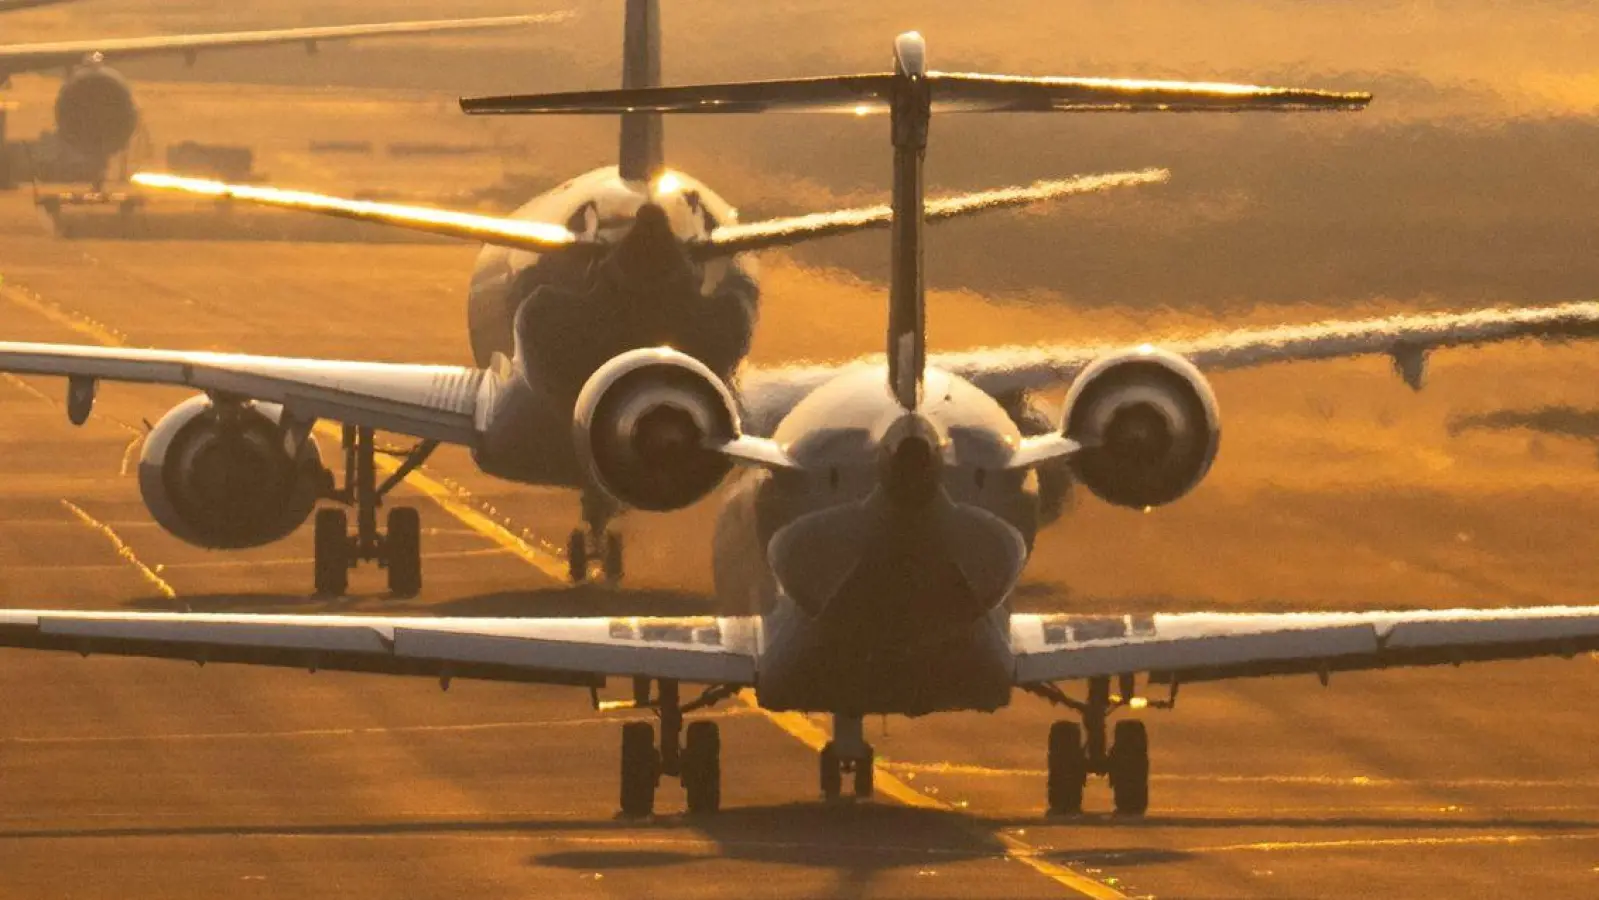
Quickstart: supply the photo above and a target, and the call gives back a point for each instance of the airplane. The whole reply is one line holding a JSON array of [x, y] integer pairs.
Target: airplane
[[95, 112], [577, 277], [867, 552]]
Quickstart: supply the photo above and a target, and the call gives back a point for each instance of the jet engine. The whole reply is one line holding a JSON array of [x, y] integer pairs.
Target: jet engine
[[95, 112], [222, 477], [645, 424], [1149, 426]]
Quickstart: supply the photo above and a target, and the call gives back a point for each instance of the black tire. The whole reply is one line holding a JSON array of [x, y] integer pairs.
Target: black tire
[[403, 547], [865, 772], [702, 767], [1068, 768], [641, 768], [1129, 768], [831, 772], [577, 556], [611, 557], [332, 552]]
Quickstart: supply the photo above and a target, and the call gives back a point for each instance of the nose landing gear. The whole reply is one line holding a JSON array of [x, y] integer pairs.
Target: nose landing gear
[[847, 754], [595, 541]]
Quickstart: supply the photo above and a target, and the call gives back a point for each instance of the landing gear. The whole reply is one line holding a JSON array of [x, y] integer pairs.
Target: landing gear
[[641, 769], [1077, 751], [1129, 768], [398, 549], [696, 762], [594, 541], [847, 754], [702, 767], [1068, 768]]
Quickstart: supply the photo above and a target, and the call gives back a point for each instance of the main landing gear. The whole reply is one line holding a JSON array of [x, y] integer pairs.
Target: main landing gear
[[1079, 750], [847, 754], [692, 755], [398, 548], [595, 540]]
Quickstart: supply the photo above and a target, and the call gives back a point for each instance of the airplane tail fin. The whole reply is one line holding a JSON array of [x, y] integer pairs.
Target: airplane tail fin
[[910, 95], [642, 153]]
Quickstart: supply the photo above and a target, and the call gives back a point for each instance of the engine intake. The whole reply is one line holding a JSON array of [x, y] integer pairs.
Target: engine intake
[[222, 477], [95, 112], [644, 424], [1149, 425]]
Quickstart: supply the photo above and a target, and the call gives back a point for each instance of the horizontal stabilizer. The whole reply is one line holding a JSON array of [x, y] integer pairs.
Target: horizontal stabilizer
[[731, 239], [538, 237], [950, 92]]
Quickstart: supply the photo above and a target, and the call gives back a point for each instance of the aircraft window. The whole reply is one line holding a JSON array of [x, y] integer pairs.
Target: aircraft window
[[981, 477], [832, 478]]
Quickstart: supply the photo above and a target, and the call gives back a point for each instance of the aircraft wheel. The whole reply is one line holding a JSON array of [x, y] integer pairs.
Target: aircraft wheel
[[864, 774], [832, 773], [611, 557], [702, 767], [1068, 768], [403, 546], [1129, 768], [577, 556], [332, 552], [641, 767]]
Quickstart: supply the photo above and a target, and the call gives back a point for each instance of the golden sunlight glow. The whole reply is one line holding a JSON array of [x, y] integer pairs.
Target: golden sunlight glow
[[862, 109], [488, 229], [668, 183]]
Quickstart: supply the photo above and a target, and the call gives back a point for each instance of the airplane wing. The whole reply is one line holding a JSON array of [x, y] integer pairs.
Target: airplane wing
[[433, 402], [541, 237], [701, 650], [1406, 339], [18, 58], [771, 392], [1193, 647]]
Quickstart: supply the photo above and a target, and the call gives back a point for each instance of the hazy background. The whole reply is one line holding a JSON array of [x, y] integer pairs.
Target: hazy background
[[1470, 179]]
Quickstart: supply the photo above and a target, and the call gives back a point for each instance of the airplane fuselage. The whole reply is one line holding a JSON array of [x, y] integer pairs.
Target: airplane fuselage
[[556, 318], [873, 603]]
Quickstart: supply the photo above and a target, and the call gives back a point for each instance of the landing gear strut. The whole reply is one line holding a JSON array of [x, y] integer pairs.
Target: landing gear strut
[[1077, 751], [398, 548], [595, 541], [694, 757], [847, 754]]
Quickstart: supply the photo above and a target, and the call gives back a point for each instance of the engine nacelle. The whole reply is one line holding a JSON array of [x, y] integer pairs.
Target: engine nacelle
[[222, 477], [644, 423], [95, 112], [1149, 425]]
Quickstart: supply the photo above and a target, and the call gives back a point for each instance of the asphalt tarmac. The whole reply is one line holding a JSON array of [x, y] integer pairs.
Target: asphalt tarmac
[[126, 779]]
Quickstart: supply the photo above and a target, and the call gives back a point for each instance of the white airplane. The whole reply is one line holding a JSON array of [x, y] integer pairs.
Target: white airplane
[[867, 556], [622, 257], [95, 112]]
